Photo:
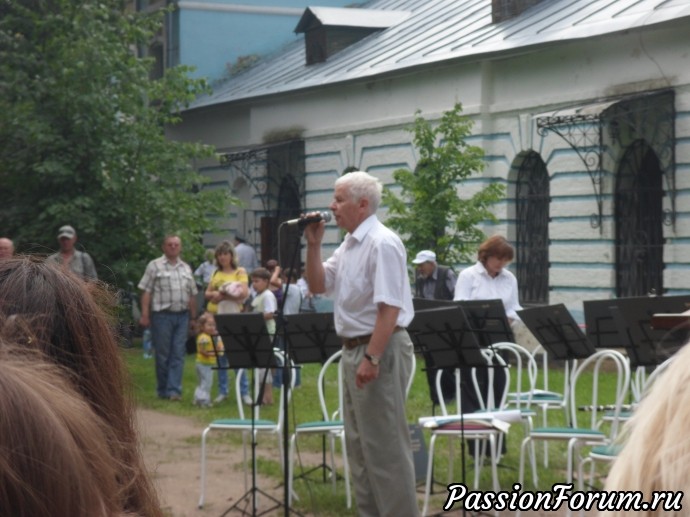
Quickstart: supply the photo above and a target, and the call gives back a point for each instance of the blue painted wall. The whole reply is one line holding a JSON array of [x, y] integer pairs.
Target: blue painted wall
[[213, 40]]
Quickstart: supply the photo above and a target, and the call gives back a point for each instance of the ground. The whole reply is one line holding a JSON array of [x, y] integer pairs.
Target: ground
[[171, 446]]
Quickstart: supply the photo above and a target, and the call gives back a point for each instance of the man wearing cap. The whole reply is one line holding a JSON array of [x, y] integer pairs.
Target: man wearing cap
[[78, 262], [435, 282]]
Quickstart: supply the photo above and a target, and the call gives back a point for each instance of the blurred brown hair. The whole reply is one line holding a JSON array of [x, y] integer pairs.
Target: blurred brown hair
[[42, 306], [496, 246], [56, 453]]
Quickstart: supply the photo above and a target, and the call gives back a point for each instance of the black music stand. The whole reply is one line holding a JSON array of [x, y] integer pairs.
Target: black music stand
[[448, 377], [248, 345], [602, 330], [557, 331], [640, 353], [559, 334], [646, 345], [488, 319], [313, 339], [445, 338]]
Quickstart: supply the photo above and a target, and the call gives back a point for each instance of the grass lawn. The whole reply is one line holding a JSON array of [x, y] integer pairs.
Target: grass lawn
[[305, 407]]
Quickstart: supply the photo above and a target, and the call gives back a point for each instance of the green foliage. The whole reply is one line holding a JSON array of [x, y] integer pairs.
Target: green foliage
[[82, 137], [429, 214]]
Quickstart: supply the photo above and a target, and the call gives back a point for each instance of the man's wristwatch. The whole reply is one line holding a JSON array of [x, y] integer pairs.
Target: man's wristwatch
[[373, 359]]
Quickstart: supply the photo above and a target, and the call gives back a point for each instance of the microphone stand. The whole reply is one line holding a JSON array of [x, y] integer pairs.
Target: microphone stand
[[281, 324]]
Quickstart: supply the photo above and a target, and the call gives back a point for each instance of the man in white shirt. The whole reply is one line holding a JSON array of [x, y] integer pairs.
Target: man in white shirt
[[367, 278]]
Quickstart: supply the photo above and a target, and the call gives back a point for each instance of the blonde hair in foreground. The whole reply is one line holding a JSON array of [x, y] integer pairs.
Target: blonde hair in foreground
[[656, 452]]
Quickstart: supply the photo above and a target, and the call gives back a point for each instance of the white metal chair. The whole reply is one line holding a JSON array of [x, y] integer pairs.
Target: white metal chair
[[331, 425], [608, 452], [247, 425], [520, 384], [585, 432], [460, 426]]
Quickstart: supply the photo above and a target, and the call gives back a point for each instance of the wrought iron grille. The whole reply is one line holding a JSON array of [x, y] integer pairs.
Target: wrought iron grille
[[532, 224], [276, 173], [639, 222]]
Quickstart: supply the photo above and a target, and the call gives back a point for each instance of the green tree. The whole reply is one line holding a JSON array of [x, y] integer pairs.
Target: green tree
[[83, 136], [428, 213]]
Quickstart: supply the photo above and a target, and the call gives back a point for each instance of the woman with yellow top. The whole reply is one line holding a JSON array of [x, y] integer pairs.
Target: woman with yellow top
[[226, 292], [222, 296]]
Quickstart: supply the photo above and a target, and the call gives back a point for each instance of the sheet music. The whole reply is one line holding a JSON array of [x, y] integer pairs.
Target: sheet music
[[500, 420]]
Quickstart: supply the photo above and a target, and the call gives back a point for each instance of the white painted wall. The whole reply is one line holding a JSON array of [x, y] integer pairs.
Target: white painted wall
[[363, 124]]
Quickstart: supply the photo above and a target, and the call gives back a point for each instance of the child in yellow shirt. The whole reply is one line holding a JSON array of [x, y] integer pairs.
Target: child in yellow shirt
[[209, 347]]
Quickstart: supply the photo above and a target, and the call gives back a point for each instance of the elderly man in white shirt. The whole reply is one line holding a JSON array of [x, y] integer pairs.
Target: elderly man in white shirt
[[367, 277]]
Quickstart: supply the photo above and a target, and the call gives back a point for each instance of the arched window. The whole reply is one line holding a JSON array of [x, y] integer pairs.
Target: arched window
[[532, 230], [639, 223]]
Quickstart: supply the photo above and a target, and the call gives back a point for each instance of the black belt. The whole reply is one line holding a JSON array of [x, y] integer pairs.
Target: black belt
[[353, 342]]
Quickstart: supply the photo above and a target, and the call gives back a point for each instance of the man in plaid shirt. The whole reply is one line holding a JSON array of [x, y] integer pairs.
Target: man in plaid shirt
[[167, 303]]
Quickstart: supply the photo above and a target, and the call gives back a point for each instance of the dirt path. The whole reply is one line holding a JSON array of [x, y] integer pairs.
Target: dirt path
[[172, 452], [171, 447]]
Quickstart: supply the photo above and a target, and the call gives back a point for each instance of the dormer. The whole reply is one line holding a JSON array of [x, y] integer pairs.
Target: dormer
[[502, 10], [328, 30]]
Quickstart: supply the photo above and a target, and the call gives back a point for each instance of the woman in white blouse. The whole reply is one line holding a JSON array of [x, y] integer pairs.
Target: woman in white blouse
[[488, 279]]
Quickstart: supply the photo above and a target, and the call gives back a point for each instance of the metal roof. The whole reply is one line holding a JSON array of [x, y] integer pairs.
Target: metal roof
[[442, 30], [344, 17]]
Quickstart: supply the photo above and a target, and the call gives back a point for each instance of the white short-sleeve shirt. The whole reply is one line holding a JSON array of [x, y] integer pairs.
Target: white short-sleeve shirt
[[368, 268]]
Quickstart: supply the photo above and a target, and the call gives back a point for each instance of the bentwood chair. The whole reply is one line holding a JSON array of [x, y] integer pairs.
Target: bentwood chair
[[461, 426], [607, 453], [331, 425], [586, 430], [249, 426]]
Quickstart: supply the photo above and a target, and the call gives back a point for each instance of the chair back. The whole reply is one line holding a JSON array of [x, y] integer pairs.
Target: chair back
[[494, 361], [523, 381], [410, 380], [330, 413], [540, 354], [487, 402], [257, 379], [597, 402]]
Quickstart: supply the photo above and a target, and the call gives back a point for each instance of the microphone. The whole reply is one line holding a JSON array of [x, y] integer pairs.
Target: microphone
[[304, 221]]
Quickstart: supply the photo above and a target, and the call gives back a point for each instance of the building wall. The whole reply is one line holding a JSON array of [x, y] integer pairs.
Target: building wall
[[362, 124]]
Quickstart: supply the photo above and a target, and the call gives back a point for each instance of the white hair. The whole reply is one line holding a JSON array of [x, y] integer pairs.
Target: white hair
[[362, 185]]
